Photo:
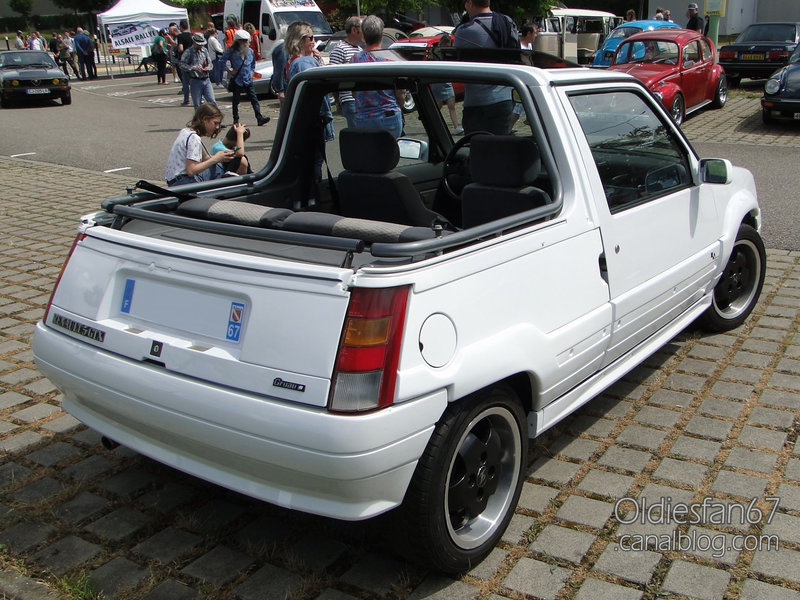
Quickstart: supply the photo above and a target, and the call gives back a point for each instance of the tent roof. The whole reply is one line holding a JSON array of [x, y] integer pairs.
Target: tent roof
[[127, 11]]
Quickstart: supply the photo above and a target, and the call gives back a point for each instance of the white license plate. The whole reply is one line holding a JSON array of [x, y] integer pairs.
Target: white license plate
[[37, 91]]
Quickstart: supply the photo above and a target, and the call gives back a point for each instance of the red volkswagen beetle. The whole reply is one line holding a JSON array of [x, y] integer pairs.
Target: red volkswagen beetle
[[678, 67]]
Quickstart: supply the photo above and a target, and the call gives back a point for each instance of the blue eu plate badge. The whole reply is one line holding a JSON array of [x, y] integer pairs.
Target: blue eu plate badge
[[235, 322]]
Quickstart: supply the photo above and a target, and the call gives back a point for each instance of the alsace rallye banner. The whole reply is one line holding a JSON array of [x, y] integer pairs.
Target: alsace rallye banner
[[126, 35]]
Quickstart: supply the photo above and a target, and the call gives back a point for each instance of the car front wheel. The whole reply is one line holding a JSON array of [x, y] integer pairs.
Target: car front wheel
[[721, 94], [677, 109], [65, 100], [467, 483], [736, 293], [766, 116]]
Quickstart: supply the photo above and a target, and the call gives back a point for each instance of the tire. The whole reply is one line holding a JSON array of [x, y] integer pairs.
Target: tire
[[734, 81], [766, 116], [467, 482], [677, 109], [66, 100], [721, 94], [736, 294], [409, 104]]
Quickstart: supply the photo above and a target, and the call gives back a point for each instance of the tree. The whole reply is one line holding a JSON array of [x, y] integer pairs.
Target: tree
[[23, 7], [83, 7]]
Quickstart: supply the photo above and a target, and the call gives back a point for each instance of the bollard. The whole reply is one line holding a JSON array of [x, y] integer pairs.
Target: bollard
[[7, 46]]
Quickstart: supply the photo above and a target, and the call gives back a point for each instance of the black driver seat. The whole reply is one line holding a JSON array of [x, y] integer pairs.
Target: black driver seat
[[369, 188], [503, 170]]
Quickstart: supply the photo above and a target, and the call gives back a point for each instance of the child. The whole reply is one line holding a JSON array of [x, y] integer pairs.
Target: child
[[234, 140], [188, 161]]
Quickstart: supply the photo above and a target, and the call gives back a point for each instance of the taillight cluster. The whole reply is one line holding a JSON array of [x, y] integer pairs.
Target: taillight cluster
[[79, 238], [366, 365], [727, 54], [778, 55]]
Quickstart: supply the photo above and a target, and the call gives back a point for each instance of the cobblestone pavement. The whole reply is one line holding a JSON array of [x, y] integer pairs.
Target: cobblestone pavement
[[708, 417]]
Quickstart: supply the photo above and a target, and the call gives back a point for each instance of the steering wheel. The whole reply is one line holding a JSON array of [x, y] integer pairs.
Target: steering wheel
[[457, 167]]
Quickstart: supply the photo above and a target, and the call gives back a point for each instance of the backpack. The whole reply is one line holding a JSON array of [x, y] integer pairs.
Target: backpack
[[504, 33]]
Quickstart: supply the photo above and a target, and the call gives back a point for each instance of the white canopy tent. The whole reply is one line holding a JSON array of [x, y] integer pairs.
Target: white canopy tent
[[136, 22]]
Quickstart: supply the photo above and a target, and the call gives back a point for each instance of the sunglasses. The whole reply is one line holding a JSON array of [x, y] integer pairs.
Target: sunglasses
[[308, 37]]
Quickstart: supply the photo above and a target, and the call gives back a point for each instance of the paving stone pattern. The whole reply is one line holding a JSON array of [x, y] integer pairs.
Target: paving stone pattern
[[708, 417]]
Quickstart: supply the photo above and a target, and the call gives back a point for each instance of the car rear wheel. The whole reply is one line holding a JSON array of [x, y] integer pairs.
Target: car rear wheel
[[721, 95], [467, 482], [734, 81], [736, 293], [677, 109]]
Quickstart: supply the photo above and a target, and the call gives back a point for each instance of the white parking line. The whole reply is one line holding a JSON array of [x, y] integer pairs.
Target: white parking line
[[117, 169], [22, 154]]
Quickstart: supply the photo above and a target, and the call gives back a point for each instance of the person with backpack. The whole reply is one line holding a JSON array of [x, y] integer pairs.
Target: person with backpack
[[486, 107]]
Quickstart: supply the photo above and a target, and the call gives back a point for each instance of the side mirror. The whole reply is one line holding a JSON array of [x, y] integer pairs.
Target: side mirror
[[413, 149], [715, 170], [273, 35]]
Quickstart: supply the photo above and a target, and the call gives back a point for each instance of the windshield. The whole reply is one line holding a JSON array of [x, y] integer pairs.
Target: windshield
[[769, 32], [623, 32], [26, 59], [648, 51], [315, 19]]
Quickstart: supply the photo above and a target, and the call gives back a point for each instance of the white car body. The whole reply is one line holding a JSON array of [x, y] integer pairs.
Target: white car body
[[143, 339]]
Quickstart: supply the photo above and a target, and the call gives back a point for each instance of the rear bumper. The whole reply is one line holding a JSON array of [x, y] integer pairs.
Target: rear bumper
[[299, 457], [750, 70]]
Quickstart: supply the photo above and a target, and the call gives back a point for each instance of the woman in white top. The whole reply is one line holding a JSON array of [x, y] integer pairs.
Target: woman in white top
[[189, 161]]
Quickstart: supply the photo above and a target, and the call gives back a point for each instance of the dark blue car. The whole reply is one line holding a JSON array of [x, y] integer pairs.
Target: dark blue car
[[782, 91], [605, 54]]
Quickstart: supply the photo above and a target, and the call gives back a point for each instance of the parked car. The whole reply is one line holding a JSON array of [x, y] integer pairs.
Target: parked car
[[759, 50], [390, 36], [605, 54], [432, 30], [677, 65], [374, 350], [421, 42], [27, 74], [782, 91]]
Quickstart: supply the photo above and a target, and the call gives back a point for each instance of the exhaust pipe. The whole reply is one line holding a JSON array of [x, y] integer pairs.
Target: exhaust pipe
[[108, 444]]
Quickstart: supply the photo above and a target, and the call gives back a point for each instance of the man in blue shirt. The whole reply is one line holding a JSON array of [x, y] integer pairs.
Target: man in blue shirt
[[84, 48], [486, 107]]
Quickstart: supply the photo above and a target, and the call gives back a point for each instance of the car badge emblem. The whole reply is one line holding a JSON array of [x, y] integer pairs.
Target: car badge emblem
[[36, 81]]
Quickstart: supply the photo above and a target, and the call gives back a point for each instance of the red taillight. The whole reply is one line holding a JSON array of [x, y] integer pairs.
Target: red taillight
[[778, 55], [78, 238], [727, 54], [366, 365]]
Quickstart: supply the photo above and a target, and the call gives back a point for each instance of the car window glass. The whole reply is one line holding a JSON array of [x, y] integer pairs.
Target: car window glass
[[691, 53], [705, 47], [636, 153]]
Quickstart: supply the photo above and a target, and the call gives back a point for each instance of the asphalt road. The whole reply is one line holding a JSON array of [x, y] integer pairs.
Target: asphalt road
[[777, 179], [123, 125], [127, 125]]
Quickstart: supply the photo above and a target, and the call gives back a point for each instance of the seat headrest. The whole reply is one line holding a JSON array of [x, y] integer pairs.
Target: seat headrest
[[368, 150], [504, 160]]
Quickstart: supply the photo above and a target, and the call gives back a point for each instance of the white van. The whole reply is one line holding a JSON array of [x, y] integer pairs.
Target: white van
[[574, 33], [272, 18]]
